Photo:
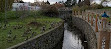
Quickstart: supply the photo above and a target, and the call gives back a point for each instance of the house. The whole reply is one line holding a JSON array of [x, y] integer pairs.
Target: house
[[23, 6], [20, 6]]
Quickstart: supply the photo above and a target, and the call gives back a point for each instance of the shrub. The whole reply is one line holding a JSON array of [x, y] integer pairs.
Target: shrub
[[96, 6], [99, 6], [51, 11], [82, 8], [76, 8], [10, 15]]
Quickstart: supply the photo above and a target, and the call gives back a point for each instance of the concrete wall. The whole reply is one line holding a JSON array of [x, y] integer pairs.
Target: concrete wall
[[46, 40], [86, 29]]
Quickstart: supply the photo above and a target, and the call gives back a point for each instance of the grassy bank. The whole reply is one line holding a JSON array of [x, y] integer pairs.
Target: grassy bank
[[17, 30], [107, 8]]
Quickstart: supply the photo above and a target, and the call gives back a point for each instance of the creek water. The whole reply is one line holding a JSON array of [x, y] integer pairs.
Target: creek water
[[73, 39]]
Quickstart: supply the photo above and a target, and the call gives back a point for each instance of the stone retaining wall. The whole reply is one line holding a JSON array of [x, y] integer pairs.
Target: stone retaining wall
[[46, 40], [86, 29]]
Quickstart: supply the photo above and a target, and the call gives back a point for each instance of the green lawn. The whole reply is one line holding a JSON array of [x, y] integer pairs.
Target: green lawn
[[107, 8], [12, 23]]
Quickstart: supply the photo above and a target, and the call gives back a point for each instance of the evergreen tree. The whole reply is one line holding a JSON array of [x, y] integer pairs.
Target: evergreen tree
[[79, 1], [74, 2], [103, 1], [70, 3]]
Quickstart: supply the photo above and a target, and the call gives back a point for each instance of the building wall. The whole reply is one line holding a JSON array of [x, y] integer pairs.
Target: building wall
[[24, 6], [18, 6]]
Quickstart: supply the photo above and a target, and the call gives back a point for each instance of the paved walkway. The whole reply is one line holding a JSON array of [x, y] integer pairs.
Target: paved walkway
[[99, 26]]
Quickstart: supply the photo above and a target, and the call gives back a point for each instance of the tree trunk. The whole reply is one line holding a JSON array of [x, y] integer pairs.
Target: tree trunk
[[2, 5]]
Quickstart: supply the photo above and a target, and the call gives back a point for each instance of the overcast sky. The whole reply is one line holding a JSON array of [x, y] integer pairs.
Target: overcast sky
[[53, 1]]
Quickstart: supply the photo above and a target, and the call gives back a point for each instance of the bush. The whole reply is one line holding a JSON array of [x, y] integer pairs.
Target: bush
[[96, 6], [51, 11], [85, 7], [10, 15], [82, 8], [76, 8], [100, 7]]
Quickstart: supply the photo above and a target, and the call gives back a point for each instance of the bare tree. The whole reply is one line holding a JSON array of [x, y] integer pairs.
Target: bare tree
[[87, 2], [2, 5], [104, 1]]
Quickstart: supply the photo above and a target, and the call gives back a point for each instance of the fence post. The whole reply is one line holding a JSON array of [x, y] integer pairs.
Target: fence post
[[82, 14], [96, 28], [85, 15], [72, 13], [88, 16], [78, 13], [92, 19], [104, 40], [104, 21]]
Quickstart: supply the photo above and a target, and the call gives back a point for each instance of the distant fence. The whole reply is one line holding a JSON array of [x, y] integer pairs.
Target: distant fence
[[101, 11], [99, 25]]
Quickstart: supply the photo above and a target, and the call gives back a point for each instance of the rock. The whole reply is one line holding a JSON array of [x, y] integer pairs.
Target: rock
[[10, 32], [14, 37], [4, 27], [43, 29], [26, 38], [9, 36]]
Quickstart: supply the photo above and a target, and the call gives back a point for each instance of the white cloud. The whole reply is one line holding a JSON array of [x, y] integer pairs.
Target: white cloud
[[51, 1], [109, 4], [28, 1], [98, 1]]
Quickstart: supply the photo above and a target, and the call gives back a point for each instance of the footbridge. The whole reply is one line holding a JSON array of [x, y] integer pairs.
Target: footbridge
[[97, 30]]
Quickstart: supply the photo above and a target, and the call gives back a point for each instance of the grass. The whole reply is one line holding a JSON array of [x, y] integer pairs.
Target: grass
[[106, 8], [43, 20]]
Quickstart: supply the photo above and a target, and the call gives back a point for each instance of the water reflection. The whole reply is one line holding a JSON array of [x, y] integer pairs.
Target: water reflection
[[73, 39]]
